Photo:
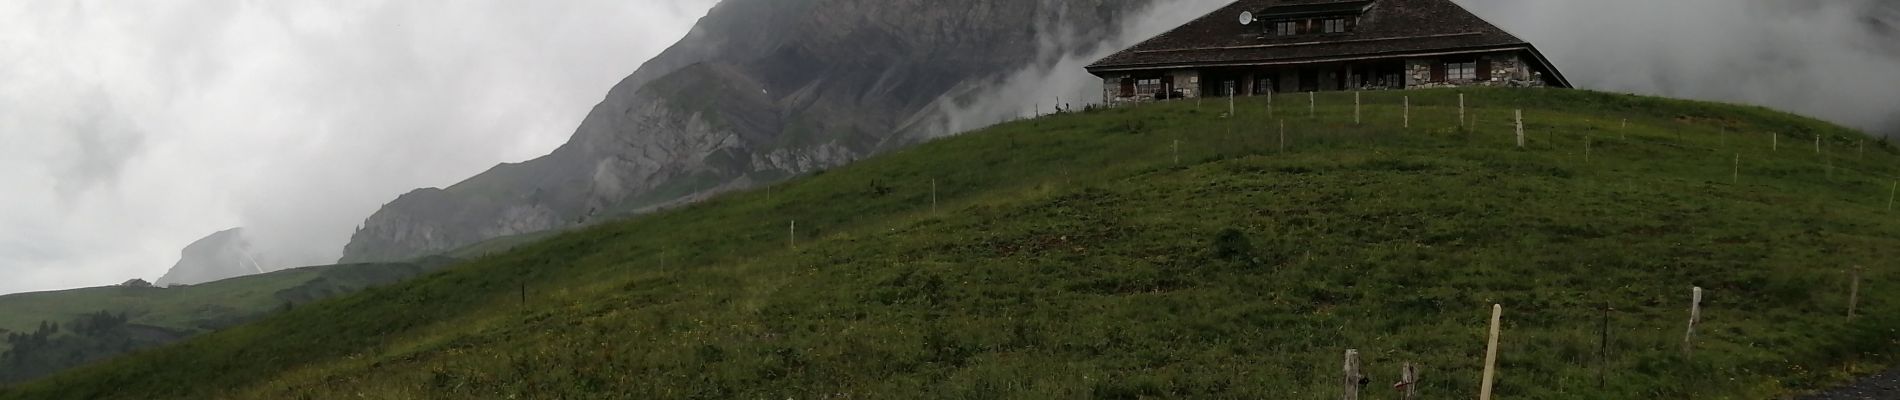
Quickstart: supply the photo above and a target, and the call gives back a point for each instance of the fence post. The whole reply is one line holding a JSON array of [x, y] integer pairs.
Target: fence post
[[1623, 132], [1491, 354], [1283, 138], [1774, 141], [1408, 112], [1270, 103], [1603, 348], [794, 234], [1737, 177], [1461, 110], [1520, 128], [1890, 194], [1312, 105], [1853, 294], [1695, 315], [1355, 107], [933, 196], [1408, 382], [1817, 144], [1352, 380]]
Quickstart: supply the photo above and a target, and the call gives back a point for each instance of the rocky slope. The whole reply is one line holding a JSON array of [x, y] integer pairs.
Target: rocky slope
[[759, 90], [222, 255]]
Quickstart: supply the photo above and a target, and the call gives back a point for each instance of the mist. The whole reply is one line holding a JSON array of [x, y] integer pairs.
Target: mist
[[130, 129], [1833, 60]]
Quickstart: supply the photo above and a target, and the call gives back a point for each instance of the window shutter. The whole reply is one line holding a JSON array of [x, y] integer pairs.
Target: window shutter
[[1438, 72], [1484, 69]]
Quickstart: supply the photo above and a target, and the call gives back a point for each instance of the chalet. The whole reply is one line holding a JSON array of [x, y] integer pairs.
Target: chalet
[[1253, 47]]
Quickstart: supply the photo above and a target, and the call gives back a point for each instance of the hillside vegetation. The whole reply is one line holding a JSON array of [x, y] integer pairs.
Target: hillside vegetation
[[1159, 251], [47, 332]]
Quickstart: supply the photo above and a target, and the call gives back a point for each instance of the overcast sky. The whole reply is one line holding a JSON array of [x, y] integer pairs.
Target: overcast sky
[[129, 128]]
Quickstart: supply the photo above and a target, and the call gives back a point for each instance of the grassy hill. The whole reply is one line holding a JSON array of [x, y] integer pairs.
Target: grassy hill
[[150, 316], [1159, 251]]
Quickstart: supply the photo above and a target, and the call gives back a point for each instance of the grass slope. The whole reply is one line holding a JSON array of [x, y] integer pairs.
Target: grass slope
[[1073, 257], [181, 311]]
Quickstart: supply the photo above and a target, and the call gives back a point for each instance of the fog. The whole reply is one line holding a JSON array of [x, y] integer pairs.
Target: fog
[[128, 129]]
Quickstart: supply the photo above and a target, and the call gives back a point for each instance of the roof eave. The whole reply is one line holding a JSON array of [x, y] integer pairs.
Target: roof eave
[[1098, 68]]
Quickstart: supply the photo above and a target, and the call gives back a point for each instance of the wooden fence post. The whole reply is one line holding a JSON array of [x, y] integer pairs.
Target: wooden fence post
[[1408, 382], [1355, 107], [1737, 177], [1891, 193], [1603, 348], [1853, 293], [1312, 105], [1461, 110], [1408, 112], [1774, 141], [1353, 379], [1491, 354], [1283, 136], [794, 234], [1695, 315], [1520, 128], [1817, 144], [1270, 103], [933, 196]]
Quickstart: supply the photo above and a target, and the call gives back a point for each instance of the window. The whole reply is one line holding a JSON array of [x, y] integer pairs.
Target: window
[[1335, 25], [1461, 71], [1286, 28], [1148, 86]]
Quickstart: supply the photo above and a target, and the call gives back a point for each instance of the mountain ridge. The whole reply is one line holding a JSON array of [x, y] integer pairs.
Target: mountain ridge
[[758, 91]]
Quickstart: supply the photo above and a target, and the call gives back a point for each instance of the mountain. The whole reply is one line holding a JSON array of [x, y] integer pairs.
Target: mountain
[[226, 254], [1159, 251], [759, 91]]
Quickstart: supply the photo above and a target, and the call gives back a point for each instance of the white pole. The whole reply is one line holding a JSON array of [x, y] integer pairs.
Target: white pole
[[1774, 141], [1520, 128], [1312, 105], [1283, 145], [1269, 104], [1491, 354], [1817, 144], [1408, 111], [1695, 315], [1355, 108], [1461, 109], [794, 236]]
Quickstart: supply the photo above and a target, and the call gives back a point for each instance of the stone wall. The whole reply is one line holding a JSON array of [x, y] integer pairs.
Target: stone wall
[[1507, 69], [1185, 80]]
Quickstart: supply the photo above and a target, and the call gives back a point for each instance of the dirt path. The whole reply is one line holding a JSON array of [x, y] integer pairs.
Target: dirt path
[[1883, 386]]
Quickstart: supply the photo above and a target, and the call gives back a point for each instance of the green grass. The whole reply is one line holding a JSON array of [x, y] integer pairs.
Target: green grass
[[1072, 257], [196, 308]]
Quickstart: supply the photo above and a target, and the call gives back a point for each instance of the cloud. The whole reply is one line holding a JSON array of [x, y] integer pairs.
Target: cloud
[[1833, 60], [130, 129]]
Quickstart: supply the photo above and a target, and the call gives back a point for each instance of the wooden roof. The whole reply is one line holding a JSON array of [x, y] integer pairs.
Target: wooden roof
[[1388, 28]]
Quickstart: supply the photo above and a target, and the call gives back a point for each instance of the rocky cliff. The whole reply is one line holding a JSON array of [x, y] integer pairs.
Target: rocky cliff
[[222, 255], [758, 91]]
